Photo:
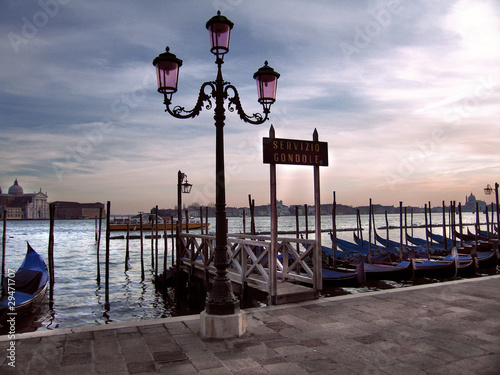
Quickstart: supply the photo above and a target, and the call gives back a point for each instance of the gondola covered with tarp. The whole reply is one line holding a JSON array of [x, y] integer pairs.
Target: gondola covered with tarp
[[27, 286]]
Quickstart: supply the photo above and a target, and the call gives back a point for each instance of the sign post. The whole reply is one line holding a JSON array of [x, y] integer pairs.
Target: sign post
[[295, 152]]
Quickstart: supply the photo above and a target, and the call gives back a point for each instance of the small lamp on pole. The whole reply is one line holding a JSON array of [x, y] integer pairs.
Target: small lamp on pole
[[488, 190]]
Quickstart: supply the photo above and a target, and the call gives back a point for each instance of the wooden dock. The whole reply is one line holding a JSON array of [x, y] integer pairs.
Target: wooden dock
[[249, 269]]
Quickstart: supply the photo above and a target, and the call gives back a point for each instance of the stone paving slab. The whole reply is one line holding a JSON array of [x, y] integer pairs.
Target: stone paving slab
[[445, 328]]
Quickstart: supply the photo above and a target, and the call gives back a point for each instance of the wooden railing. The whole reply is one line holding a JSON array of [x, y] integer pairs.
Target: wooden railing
[[250, 261]]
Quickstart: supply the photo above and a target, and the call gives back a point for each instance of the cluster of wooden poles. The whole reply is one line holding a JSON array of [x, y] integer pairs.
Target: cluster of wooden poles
[[155, 236], [453, 210]]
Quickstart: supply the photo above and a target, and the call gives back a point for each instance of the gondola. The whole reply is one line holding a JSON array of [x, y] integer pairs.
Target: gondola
[[483, 260], [341, 277], [400, 271], [27, 287], [469, 237], [485, 257], [378, 271], [349, 247], [435, 269], [436, 238], [481, 236], [465, 236], [466, 268], [434, 248], [389, 244]]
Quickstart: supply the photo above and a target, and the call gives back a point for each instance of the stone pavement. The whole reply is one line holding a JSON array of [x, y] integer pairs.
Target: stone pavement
[[445, 328]]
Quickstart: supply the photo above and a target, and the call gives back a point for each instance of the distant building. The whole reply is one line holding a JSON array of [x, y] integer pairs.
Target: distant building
[[16, 205], [76, 210], [265, 210], [470, 204]]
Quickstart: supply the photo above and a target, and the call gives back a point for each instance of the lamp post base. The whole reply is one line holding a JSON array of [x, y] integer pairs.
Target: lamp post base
[[223, 326]]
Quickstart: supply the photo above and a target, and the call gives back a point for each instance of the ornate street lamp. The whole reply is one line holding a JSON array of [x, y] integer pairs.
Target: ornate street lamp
[[221, 300], [488, 190]]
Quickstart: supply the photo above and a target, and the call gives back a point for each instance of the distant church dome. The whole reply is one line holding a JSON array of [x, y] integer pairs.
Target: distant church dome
[[470, 199], [16, 189]]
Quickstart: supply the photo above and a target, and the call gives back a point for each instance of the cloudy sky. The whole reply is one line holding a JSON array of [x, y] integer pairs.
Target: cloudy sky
[[406, 93]]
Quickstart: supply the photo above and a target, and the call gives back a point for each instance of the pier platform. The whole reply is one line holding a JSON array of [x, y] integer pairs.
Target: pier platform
[[443, 328]]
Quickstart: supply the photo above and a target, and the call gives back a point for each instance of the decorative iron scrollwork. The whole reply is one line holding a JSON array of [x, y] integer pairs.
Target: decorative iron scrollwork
[[235, 104], [180, 112]]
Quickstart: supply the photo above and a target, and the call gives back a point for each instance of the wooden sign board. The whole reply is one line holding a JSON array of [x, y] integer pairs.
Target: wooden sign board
[[293, 151]]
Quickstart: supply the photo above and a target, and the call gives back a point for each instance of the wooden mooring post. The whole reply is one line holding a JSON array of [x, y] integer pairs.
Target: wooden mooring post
[[52, 210], [306, 212], [4, 241], [106, 286], [201, 220], [334, 230], [152, 244], [98, 247], [127, 248], [244, 217], [172, 237], [400, 231], [251, 203], [165, 255], [427, 231], [142, 246], [156, 242]]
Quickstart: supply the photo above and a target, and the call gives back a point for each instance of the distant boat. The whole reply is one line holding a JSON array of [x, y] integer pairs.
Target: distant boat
[[27, 287], [149, 222]]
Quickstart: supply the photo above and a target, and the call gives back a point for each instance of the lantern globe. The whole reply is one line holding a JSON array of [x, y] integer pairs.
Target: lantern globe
[[186, 187], [488, 190], [267, 82], [219, 28], [167, 71]]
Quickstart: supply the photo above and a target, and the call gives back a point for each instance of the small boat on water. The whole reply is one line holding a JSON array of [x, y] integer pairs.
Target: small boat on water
[[27, 287], [149, 223]]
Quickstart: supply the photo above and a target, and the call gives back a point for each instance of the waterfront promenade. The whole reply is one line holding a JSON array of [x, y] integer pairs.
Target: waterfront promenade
[[443, 328]]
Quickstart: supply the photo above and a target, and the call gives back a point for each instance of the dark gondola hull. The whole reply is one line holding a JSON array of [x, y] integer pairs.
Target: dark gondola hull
[[436, 269], [483, 260], [487, 260], [466, 269], [401, 271], [340, 278], [27, 288]]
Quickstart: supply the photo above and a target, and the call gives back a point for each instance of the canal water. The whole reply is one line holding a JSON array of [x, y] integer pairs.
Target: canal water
[[79, 298]]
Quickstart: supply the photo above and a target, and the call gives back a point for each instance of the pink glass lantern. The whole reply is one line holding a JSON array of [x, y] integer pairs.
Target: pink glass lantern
[[267, 82], [167, 72], [219, 28]]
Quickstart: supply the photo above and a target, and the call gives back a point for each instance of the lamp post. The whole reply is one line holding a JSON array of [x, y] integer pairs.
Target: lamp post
[[221, 300], [182, 187], [488, 190]]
